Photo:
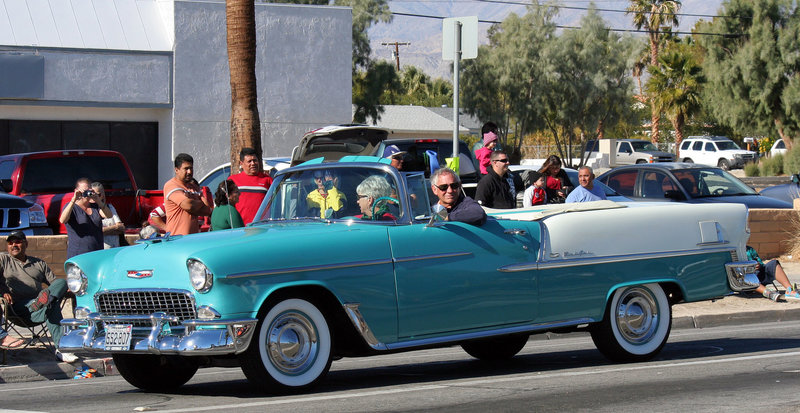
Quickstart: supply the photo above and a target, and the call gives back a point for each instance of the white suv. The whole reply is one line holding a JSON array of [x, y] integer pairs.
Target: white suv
[[714, 151]]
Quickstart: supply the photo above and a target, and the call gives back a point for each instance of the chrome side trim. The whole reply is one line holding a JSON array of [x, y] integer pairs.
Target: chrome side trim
[[354, 314], [432, 256], [545, 264], [366, 333], [310, 268], [528, 328], [720, 242]]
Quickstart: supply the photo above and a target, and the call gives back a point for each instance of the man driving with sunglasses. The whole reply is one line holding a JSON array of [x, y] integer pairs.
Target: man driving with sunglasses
[[494, 190], [446, 185]]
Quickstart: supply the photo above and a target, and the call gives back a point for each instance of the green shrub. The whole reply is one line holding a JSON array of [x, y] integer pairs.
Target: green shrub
[[772, 166], [791, 160], [751, 169]]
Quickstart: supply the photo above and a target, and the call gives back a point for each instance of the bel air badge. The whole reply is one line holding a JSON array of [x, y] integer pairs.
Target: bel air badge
[[140, 273]]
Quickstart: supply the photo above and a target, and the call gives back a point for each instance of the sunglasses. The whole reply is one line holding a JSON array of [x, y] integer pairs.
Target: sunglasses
[[398, 157], [504, 160], [363, 196], [454, 186]]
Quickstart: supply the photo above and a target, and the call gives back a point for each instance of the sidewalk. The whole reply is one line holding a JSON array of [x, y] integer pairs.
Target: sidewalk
[[36, 364]]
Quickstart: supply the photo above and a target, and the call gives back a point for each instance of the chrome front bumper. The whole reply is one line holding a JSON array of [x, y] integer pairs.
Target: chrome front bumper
[[742, 275], [191, 337]]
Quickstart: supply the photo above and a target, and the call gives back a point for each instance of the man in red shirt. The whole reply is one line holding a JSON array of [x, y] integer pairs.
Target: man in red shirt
[[253, 184]]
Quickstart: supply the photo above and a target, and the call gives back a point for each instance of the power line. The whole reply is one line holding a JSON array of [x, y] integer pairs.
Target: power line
[[578, 27], [558, 6]]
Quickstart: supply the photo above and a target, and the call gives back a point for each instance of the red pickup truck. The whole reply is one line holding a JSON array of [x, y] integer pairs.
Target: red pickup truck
[[48, 179]]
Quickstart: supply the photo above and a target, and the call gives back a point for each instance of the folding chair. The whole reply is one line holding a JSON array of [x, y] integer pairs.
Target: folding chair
[[32, 333]]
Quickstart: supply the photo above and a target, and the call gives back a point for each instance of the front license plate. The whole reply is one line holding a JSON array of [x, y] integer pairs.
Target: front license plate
[[118, 337]]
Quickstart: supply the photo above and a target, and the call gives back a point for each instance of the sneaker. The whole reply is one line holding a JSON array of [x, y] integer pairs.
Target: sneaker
[[66, 357], [774, 296], [792, 295]]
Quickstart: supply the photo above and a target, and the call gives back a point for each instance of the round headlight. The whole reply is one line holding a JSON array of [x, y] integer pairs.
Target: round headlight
[[202, 279], [76, 279]]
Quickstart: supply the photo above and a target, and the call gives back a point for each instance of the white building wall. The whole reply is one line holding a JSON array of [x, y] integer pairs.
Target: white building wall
[[303, 69], [303, 73]]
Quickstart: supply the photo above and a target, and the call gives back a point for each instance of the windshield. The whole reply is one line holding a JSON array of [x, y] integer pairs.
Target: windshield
[[727, 145], [334, 193], [644, 146], [711, 182]]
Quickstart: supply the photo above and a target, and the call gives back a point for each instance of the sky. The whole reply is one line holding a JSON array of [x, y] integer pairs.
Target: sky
[[425, 33]]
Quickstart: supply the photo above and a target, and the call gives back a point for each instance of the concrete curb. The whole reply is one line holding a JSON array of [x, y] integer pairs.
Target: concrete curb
[[48, 370], [728, 319]]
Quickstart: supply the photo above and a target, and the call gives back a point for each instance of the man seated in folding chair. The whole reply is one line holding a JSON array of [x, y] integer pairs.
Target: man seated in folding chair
[[22, 289]]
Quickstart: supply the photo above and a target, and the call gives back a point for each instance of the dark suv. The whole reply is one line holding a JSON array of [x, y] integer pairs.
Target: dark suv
[[421, 150]]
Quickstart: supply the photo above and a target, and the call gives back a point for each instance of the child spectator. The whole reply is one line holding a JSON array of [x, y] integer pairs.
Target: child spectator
[[483, 154], [535, 194], [769, 273]]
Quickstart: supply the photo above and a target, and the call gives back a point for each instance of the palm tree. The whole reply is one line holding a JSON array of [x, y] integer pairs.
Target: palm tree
[[675, 86], [656, 17], [245, 121]]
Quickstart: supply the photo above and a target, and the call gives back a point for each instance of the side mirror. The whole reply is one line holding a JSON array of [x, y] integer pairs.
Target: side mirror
[[438, 214]]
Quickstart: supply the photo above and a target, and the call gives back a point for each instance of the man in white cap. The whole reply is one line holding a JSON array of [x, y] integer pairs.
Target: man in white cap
[[396, 155]]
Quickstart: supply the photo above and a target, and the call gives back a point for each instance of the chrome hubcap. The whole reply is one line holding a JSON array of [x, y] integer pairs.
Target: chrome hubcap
[[292, 342], [637, 315]]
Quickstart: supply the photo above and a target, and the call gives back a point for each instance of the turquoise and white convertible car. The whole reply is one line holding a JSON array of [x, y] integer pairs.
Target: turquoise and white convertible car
[[312, 280]]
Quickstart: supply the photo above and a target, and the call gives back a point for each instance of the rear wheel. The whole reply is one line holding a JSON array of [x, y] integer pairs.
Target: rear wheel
[[637, 324], [291, 350], [155, 373], [496, 348], [724, 164], [688, 160]]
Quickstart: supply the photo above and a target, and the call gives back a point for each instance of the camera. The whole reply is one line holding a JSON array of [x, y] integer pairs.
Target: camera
[[88, 193]]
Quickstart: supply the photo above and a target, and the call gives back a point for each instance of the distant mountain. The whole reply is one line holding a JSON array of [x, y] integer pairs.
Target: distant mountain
[[425, 34]]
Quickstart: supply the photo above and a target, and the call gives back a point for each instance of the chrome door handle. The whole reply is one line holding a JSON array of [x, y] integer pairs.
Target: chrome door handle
[[515, 231]]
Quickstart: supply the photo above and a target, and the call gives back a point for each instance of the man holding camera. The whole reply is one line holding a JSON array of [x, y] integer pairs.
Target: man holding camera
[[83, 217]]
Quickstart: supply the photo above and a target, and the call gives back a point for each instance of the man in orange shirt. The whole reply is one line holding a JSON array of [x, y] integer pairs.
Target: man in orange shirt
[[253, 184], [183, 200]]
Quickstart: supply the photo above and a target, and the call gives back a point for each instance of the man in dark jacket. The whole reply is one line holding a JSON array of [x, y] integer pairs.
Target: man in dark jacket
[[494, 190], [447, 186]]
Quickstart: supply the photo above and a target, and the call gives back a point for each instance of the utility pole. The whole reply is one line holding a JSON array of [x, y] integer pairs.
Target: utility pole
[[396, 51]]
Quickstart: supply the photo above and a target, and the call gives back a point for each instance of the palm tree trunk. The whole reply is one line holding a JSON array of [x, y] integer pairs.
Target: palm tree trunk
[[678, 123], [245, 122], [787, 140]]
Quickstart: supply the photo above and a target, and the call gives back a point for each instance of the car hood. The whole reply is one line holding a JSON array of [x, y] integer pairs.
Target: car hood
[[12, 201], [752, 201], [783, 192], [273, 246]]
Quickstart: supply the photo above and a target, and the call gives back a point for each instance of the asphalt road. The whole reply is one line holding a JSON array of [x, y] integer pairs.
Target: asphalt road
[[743, 368]]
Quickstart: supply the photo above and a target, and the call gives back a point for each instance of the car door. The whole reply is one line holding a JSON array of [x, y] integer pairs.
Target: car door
[[450, 276], [625, 154], [657, 186], [623, 181]]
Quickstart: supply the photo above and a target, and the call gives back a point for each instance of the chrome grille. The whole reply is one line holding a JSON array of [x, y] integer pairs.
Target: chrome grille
[[178, 303]]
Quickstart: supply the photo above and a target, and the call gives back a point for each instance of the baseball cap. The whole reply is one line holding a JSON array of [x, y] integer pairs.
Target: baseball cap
[[392, 150], [18, 235]]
